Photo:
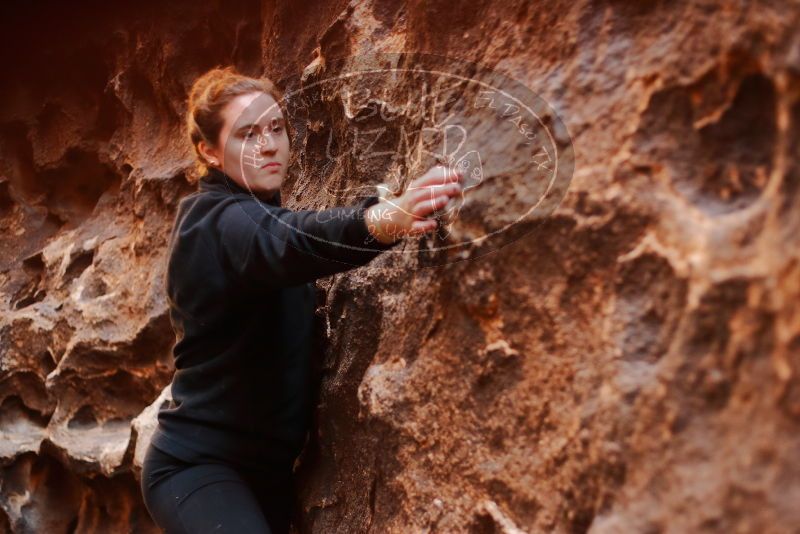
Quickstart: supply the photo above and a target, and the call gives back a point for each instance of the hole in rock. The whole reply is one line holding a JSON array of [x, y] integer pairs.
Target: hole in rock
[[723, 166], [74, 189], [31, 291], [96, 288], [15, 416], [78, 264], [6, 202], [740, 146], [84, 418]]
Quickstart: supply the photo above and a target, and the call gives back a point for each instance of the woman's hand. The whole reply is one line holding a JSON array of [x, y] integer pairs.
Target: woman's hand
[[406, 215]]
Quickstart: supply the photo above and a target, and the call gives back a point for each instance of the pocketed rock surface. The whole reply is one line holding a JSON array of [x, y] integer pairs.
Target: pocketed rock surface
[[629, 365]]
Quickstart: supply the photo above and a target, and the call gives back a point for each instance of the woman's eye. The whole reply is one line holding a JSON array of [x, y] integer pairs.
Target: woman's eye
[[248, 135], [277, 129]]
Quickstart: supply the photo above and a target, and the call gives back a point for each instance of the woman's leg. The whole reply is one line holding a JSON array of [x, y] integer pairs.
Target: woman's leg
[[201, 498], [275, 491]]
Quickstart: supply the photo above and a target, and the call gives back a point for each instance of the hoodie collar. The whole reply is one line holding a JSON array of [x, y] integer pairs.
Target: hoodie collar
[[216, 180]]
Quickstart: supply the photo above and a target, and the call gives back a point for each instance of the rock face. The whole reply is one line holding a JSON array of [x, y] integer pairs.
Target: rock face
[[629, 365]]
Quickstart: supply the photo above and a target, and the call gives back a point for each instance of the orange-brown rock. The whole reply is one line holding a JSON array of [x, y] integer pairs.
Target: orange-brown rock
[[628, 365]]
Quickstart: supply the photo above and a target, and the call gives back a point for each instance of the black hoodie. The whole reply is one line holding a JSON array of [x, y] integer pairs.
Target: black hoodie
[[241, 301]]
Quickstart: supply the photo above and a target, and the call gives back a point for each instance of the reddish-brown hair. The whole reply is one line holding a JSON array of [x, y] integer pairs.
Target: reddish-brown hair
[[209, 95]]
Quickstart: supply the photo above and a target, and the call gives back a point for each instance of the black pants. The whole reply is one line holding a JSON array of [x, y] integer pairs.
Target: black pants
[[215, 497]]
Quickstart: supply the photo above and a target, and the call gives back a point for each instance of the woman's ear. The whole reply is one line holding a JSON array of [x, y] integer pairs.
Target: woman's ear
[[210, 154]]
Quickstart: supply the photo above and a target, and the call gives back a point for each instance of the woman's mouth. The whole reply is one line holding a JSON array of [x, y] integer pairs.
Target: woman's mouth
[[270, 164]]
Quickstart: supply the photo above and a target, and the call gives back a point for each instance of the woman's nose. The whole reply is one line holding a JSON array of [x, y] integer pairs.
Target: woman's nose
[[269, 145]]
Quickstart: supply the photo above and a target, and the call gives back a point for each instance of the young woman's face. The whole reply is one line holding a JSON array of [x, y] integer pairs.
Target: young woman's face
[[254, 143]]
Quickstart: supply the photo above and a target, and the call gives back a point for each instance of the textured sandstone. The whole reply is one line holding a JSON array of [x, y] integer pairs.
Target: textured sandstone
[[629, 366]]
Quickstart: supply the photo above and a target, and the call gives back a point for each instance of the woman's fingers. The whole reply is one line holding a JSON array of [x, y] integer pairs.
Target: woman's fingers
[[424, 196], [424, 224], [416, 197], [429, 206], [436, 176], [444, 176], [421, 227]]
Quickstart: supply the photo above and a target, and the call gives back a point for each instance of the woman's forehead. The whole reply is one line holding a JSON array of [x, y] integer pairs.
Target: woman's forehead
[[254, 108]]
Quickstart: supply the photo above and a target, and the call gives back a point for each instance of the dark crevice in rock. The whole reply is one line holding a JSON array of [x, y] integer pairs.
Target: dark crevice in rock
[[32, 291], [6, 202], [72, 190], [14, 414], [650, 301], [77, 265], [724, 165], [83, 418]]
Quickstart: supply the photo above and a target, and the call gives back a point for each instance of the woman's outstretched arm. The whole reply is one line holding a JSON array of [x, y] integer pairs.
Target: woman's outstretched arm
[[277, 247]]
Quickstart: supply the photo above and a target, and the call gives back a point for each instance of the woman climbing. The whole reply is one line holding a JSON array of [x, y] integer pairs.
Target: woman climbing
[[241, 300]]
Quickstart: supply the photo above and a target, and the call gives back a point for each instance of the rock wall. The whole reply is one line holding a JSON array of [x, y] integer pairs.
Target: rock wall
[[631, 365]]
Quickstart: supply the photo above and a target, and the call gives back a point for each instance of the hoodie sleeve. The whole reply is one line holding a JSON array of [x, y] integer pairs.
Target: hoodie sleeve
[[277, 247]]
